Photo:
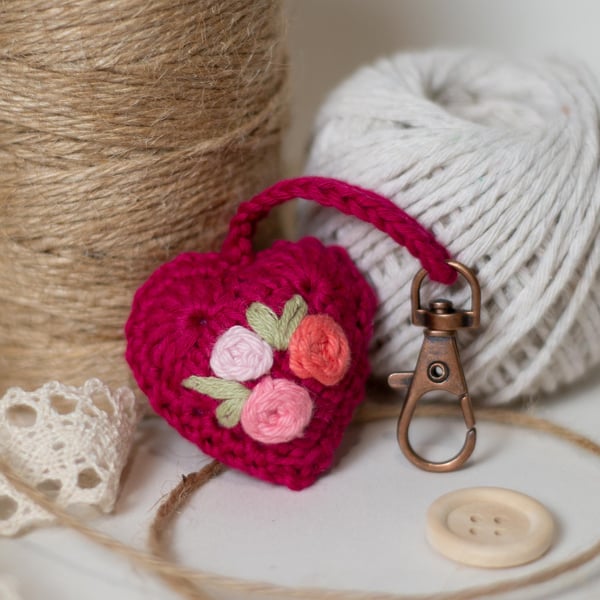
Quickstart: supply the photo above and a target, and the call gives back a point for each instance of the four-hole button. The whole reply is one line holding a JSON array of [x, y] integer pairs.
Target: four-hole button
[[489, 527]]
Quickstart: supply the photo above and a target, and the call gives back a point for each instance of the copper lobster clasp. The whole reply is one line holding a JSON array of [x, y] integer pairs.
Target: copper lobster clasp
[[438, 366]]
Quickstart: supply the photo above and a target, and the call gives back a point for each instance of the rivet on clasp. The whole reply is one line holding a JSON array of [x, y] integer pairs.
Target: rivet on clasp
[[438, 366]]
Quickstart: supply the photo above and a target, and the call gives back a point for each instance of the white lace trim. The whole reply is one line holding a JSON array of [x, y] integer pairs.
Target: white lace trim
[[70, 442]]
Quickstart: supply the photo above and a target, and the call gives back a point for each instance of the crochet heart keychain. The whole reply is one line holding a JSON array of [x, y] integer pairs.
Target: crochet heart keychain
[[261, 359]]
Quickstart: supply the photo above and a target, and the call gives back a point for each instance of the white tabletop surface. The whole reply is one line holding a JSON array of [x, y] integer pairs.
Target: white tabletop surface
[[360, 527]]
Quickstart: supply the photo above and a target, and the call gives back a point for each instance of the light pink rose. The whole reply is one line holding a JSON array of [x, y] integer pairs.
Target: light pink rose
[[277, 411], [241, 355]]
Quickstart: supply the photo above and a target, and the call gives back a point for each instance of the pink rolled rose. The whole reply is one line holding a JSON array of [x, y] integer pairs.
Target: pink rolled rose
[[319, 348], [241, 355], [277, 411]]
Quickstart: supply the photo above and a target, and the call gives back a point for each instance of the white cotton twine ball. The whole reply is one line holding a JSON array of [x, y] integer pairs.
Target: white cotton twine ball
[[500, 160]]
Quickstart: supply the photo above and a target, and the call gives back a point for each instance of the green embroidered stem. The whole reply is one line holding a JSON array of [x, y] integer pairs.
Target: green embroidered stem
[[274, 330], [219, 389], [232, 394], [229, 412]]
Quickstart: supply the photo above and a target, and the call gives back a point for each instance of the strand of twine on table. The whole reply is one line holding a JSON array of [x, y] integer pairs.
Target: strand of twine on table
[[187, 581]]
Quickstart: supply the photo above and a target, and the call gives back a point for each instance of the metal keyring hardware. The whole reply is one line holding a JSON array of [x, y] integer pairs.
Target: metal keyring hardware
[[438, 366]]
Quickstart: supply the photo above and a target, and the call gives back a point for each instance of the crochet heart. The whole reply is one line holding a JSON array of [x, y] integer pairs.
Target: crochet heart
[[261, 359], [189, 306]]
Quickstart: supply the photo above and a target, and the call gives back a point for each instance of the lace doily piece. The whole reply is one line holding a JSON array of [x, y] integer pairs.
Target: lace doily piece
[[70, 442]]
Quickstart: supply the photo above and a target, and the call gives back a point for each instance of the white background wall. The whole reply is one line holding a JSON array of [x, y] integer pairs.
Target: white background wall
[[329, 39]]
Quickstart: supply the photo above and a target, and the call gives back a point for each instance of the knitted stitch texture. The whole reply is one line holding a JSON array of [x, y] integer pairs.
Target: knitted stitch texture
[[184, 318]]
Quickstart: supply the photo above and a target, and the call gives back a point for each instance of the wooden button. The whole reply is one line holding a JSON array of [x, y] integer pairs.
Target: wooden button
[[489, 527]]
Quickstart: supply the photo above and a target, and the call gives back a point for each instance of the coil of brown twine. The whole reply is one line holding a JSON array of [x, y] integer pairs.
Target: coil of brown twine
[[129, 132], [204, 585]]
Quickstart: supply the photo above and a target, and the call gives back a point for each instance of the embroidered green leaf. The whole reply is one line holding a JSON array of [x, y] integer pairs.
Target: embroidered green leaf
[[264, 322], [294, 311], [229, 412], [277, 331], [219, 389]]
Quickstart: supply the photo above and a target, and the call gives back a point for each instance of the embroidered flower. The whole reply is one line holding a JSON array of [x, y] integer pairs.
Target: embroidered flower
[[241, 355], [319, 348], [276, 411]]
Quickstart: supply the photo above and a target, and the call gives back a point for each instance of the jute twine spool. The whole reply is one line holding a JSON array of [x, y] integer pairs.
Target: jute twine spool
[[129, 132], [499, 159]]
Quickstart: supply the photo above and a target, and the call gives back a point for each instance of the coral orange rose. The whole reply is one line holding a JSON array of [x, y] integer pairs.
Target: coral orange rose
[[319, 348]]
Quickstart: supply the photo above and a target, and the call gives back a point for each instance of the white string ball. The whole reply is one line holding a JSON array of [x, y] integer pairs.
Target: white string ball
[[500, 159]]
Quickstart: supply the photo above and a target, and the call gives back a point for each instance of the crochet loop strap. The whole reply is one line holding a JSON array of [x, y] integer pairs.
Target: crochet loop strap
[[349, 199]]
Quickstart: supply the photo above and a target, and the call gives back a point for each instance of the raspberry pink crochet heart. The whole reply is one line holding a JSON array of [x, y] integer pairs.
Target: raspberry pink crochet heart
[[240, 312]]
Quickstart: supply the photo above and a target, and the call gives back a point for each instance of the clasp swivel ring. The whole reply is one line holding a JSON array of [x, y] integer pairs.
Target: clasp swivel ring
[[438, 366]]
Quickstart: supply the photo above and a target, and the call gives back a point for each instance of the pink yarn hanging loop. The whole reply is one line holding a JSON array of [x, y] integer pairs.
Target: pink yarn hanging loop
[[349, 199]]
